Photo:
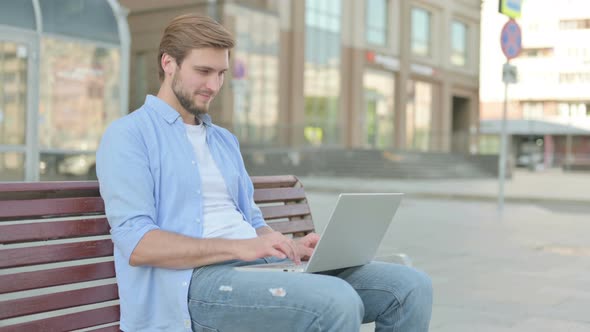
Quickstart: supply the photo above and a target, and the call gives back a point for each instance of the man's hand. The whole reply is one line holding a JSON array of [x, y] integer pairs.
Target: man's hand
[[306, 245], [270, 244]]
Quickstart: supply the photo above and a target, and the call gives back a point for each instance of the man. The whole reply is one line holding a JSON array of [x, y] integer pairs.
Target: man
[[180, 205]]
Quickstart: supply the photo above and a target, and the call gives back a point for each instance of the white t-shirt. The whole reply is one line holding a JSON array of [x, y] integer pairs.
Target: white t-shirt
[[221, 217]]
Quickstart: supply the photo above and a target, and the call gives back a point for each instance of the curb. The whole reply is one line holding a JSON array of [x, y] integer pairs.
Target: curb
[[464, 197]]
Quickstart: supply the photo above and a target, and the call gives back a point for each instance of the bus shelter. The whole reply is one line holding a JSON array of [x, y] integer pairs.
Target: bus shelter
[[64, 73]]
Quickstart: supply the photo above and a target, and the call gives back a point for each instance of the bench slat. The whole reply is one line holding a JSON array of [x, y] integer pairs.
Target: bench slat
[[78, 320], [55, 277], [47, 186], [53, 230], [50, 207], [285, 211], [112, 328], [278, 195], [56, 301], [274, 181], [293, 226], [55, 253]]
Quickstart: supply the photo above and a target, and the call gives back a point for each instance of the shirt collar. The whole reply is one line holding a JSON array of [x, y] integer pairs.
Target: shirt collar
[[168, 113]]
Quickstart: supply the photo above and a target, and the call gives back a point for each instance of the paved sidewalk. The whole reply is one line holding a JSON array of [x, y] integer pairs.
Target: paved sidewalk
[[525, 186], [521, 271]]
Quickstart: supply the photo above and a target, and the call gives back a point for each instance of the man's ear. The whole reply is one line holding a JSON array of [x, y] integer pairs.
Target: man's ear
[[168, 63]]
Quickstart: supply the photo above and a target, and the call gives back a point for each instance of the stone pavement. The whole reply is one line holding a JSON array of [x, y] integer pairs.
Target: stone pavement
[[551, 185], [523, 270]]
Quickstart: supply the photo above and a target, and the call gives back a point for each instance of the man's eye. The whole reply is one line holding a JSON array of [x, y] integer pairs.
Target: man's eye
[[203, 71]]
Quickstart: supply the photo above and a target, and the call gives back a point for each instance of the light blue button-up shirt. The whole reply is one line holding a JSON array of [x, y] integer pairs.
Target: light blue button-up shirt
[[149, 179]]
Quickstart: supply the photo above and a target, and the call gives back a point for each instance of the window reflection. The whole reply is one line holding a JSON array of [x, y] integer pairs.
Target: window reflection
[[255, 81], [67, 166], [421, 32], [322, 71], [378, 119], [13, 93], [458, 43], [418, 115], [12, 166], [376, 21], [79, 97], [79, 94]]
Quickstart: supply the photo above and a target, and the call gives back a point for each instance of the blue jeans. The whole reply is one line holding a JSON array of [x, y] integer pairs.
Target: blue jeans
[[395, 297]]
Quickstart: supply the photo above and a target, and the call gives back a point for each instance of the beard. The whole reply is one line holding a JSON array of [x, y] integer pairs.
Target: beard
[[185, 98]]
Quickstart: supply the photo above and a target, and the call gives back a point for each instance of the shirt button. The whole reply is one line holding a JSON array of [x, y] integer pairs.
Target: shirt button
[[194, 162], [198, 220], [198, 192], [185, 283], [187, 323]]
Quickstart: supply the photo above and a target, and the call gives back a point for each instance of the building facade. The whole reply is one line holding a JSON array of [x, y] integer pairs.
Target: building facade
[[377, 74], [340, 74], [549, 107]]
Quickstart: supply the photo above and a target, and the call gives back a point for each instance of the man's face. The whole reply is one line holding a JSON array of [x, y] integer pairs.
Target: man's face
[[198, 79]]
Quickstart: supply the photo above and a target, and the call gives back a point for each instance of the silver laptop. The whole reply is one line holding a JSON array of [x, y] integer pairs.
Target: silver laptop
[[351, 238]]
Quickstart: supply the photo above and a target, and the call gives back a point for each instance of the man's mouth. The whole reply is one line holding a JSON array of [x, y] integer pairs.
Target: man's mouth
[[205, 96]]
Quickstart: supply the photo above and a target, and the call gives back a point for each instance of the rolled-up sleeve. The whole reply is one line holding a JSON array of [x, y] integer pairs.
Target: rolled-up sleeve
[[126, 186], [255, 213]]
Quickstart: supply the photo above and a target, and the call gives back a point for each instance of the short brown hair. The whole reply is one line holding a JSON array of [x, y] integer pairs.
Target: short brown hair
[[187, 32]]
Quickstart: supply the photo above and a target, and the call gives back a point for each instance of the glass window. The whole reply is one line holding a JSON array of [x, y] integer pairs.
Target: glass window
[[418, 115], [572, 110], [13, 93], [79, 94], [376, 22], [532, 110], [86, 19], [421, 33], [18, 14], [458, 43], [12, 166], [67, 166], [322, 71], [255, 80], [574, 24], [378, 119]]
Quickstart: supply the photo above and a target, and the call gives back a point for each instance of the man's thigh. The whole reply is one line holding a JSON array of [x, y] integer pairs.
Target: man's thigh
[[383, 285], [223, 298]]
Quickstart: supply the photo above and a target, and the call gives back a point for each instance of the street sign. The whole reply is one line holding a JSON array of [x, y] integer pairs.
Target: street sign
[[510, 39], [509, 74], [510, 8]]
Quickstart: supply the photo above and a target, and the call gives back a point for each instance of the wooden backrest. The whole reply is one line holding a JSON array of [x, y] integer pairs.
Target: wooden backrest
[[56, 264]]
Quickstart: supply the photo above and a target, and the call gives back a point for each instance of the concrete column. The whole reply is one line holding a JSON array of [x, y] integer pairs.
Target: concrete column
[[291, 71], [351, 72], [222, 110], [443, 131], [403, 75]]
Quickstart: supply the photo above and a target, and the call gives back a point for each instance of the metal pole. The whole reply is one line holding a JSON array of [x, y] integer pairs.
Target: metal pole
[[503, 151], [568, 141]]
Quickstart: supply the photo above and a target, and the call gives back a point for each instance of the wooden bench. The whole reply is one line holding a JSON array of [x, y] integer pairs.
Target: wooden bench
[[56, 256]]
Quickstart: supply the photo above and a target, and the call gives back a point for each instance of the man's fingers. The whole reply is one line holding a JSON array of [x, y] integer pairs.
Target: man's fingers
[[307, 252], [296, 256], [286, 248], [313, 239], [277, 253]]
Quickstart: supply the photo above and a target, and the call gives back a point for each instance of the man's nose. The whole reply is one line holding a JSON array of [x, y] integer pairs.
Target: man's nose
[[214, 82]]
